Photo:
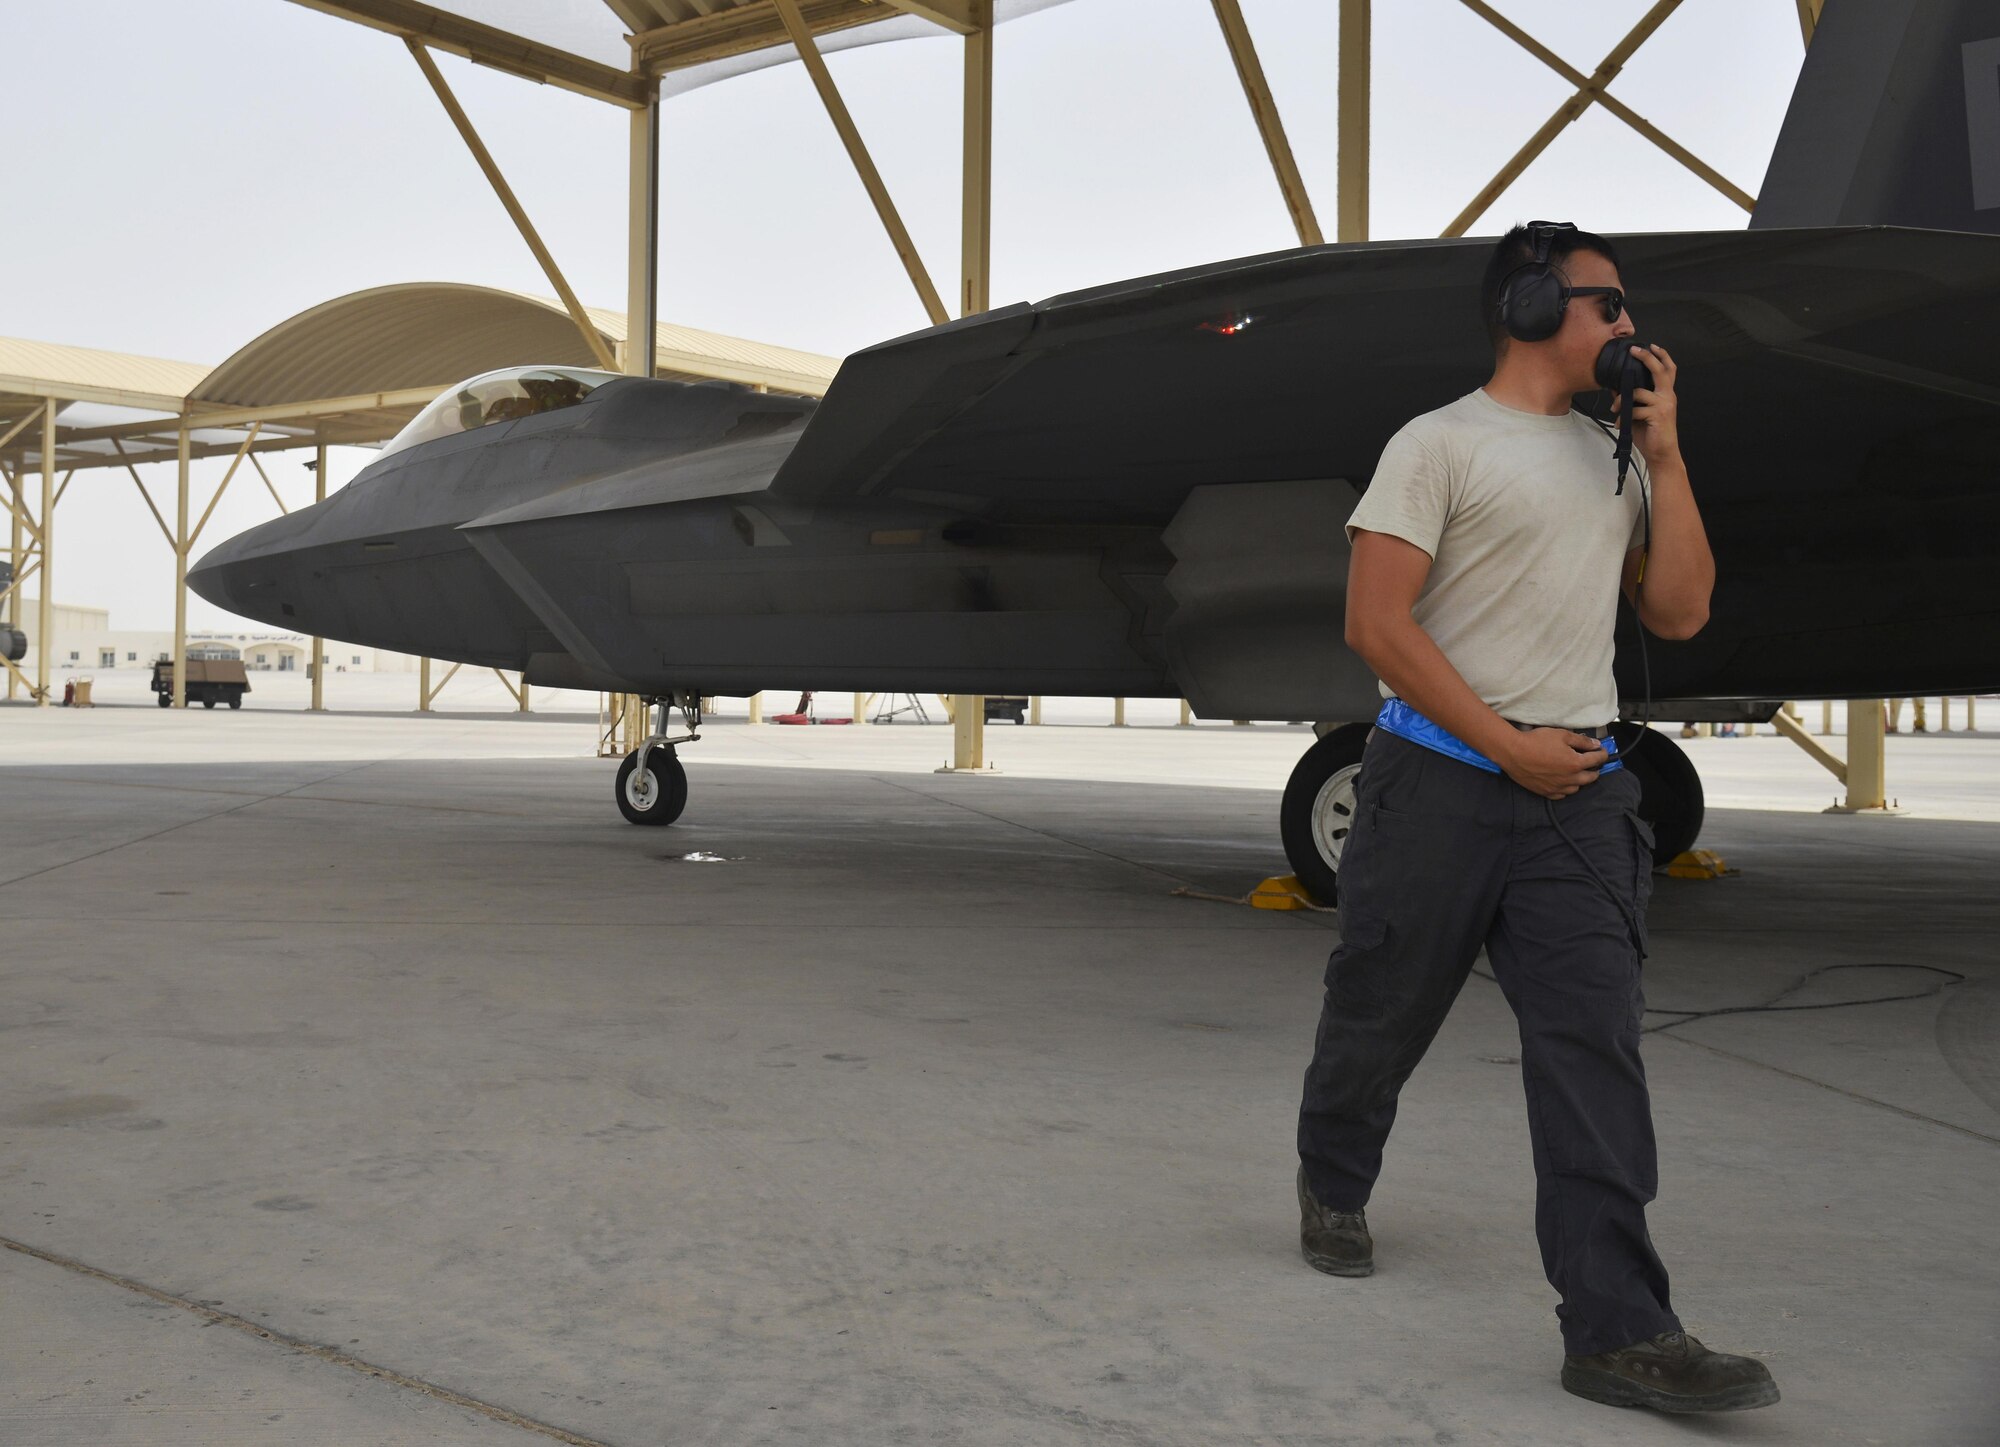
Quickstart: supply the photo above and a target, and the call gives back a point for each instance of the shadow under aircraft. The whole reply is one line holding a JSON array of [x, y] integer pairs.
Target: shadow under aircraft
[[1139, 490]]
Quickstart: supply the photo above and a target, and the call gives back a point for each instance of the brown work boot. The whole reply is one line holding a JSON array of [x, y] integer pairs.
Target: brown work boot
[[1336, 1242], [1671, 1373]]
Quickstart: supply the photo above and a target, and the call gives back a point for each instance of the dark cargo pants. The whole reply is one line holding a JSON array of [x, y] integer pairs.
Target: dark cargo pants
[[1442, 859]]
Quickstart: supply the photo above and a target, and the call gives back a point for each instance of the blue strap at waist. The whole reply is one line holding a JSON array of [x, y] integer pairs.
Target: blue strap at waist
[[1406, 723]]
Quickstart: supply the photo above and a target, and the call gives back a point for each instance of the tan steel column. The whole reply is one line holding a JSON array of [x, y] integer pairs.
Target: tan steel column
[[1867, 758], [15, 556], [968, 736], [756, 708], [642, 237], [976, 224], [968, 711], [318, 704], [860, 709], [1035, 708], [423, 685], [1118, 713], [1187, 715], [181, 546], [1356, 44], [45, 610]]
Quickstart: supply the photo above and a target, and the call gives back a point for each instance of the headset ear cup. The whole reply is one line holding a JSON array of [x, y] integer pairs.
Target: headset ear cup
[[1532, 304]]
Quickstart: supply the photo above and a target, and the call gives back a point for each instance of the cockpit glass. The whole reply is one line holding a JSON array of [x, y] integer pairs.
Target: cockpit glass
[[498, 397]]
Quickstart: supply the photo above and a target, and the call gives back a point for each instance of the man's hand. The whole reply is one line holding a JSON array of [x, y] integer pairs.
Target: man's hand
[[1554, 763], [1656, 410]]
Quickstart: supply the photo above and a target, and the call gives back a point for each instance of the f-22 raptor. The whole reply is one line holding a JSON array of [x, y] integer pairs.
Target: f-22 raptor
[[1139, 489]]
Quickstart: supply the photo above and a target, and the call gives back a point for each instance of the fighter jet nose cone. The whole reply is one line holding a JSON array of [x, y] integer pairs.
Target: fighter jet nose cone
[[249, 574]]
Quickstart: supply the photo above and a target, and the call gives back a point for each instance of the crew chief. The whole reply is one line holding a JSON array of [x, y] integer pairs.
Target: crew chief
[[1488, 554]]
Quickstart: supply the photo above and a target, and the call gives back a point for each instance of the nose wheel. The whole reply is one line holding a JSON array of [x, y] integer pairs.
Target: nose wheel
[[652, 785], [1318, 810]]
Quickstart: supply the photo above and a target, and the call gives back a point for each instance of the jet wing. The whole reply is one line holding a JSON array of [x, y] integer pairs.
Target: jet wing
[[1111, 404]]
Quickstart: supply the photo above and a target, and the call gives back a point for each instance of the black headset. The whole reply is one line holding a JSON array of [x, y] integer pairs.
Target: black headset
[[1535, 295]]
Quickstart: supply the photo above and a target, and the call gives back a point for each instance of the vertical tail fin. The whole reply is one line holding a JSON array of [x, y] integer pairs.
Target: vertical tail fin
[[1895, 121]]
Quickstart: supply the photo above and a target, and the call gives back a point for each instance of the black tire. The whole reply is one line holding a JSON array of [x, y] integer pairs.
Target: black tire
[[1318, 810], [668, 792], [236, 703], [1670, 792], [166, 700], [208, 703]]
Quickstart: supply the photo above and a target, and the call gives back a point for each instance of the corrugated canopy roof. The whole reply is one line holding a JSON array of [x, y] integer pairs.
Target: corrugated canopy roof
[[351, 370], [603, 47]]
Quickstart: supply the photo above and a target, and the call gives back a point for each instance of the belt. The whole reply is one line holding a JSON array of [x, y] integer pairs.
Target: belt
[[1406, 723], [1602, 731]]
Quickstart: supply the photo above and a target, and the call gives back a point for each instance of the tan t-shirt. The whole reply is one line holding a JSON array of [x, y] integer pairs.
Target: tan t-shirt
[[1527, 541]]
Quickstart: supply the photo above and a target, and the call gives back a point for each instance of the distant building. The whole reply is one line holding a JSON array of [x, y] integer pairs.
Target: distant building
[[87, 643]]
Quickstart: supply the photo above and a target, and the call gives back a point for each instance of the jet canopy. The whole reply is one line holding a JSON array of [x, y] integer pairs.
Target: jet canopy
[[499, 397]]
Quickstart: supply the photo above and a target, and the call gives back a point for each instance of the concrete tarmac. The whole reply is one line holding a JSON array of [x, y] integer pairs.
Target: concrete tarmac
[[367, 1079]]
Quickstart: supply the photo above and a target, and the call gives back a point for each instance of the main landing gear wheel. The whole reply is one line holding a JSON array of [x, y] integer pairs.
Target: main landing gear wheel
[[1670, 793], [657, 795], [1318, 810]]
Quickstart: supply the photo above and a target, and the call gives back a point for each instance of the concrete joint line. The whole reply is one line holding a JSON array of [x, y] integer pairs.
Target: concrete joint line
[[308, 1348], [1856, 1095]]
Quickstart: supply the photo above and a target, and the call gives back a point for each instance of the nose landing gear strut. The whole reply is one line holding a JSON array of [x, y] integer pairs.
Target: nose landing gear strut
[[652, 785]]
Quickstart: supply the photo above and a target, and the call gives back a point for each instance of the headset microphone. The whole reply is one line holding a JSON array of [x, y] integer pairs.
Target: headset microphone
[[1621, 372]]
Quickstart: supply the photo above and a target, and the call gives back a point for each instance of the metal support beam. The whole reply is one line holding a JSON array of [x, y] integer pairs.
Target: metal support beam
[[28, 419], [1264, 110], [968, 736], [966, 17], [269, 486], [1789, 725], [864, 164], [1356, 43], [277, 412], [1867, 758], [514, 209], [1612, 104], [489, 46], [181, 577], [642, 237], [860, 710], [227, 477], [1586, 96], [17, 555], [1809, 12], [25, 519], [45, 611], [968, 711], [751, 26], [139, 483], [318, 702], [976, 172]]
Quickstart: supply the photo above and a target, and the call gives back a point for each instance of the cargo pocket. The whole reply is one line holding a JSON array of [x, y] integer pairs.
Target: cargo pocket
[[1354, 971], [1642, 876]]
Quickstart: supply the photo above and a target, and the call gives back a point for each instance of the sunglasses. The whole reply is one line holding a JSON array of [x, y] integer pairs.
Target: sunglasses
[[1613, 300]]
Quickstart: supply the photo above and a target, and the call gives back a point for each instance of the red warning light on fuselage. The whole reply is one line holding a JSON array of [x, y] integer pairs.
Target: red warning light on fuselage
[[1233, 327]]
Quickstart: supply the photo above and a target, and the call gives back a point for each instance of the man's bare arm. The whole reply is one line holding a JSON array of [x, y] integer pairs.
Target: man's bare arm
[[1680, 571], [1384, 580]]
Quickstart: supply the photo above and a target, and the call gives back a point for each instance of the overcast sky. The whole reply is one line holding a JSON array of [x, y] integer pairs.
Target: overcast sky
[[183, 176]]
